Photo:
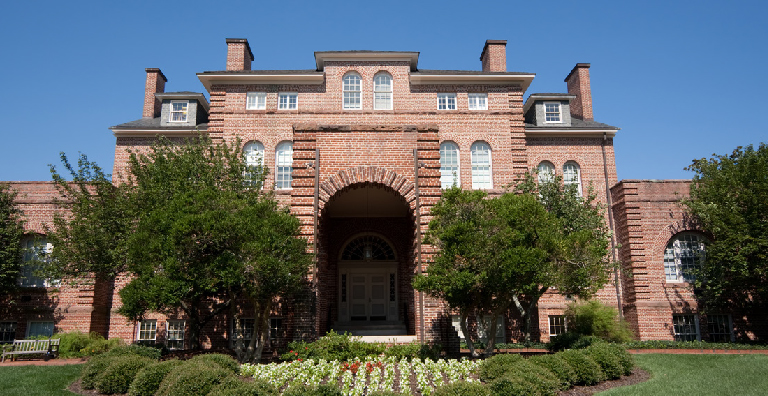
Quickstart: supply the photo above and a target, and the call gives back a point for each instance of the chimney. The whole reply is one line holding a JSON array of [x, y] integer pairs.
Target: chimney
[[239, 55], [155, 84], [494, 56], [578, 84]]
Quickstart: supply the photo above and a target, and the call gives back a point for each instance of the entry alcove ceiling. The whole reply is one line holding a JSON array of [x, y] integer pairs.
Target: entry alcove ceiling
[[367, 201]]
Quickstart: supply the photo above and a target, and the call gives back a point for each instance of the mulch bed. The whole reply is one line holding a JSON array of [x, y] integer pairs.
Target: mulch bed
[[637, 376]]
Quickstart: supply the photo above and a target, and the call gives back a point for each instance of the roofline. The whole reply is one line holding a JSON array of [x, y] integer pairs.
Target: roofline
[[491, 79], [141, 132], [181, 95], [209, 79], [570, 132], [381, 56], [534, 97]]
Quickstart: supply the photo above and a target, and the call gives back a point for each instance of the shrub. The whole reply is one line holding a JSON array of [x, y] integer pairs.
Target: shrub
[[117, 377], [625, 359], [461, 388], [332, 346], [95, 366], [572, 340], [225, 361], [192, 379], [72, 343], [588, 372], [593, 318], [498, 365], [512, 385], [559, 367], [414, 351], [539, 377], [386, 393], [607, 360], [135, 349], [99, 345], [235, 386], [148, 379], [320, 390]]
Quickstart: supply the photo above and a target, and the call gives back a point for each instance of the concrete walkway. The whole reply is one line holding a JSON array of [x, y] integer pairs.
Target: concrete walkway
[[41, 362]]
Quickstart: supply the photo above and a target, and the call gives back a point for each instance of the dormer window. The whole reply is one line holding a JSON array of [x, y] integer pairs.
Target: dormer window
[[179, 110], [552, 112]]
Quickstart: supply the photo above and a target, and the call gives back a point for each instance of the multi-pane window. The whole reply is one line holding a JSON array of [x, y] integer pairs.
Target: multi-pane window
[[7, 332], [283, 165], [572, 176], [288, 101], [481, 165], [556, 325], [256, 101], [275, 328], [446, 101], [552, 112], [546, 172], [352, 88], [35, 250], [246, 329], [175, 334], [147, 331], [254, 159], [683, 253], [449, 164], [179, 110], [686, 327], [719, 328], [40, 329], [478, 101], [382, 92], [483, 327]]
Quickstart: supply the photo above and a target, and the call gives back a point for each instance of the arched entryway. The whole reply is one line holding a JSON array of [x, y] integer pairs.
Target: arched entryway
[[367, 270]]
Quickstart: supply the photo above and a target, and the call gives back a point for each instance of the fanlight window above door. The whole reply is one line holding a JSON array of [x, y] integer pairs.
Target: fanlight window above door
[[368, 248]]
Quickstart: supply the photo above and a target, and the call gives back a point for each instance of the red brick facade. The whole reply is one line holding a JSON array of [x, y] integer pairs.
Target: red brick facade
[[340, 155]]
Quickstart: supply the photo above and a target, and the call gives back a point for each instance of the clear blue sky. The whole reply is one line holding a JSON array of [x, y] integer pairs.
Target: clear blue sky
[[682, 79]]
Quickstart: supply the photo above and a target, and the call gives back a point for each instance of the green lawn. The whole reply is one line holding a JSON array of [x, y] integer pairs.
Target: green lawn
[[38, 380], [700, 375]]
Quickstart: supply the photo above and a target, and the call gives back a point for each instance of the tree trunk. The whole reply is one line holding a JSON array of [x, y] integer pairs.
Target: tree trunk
[[260, 332], [526, 312], [491, 342], [463, 314], [193, 316]]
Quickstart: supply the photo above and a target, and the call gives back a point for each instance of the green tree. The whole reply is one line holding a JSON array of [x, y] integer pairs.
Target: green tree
[[729, 200], [11, 232]]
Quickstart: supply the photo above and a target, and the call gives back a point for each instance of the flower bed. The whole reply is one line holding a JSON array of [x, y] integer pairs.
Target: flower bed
[[415, 377]]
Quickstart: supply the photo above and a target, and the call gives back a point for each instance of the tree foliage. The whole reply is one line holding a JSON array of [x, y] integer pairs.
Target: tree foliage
[[11, 232], [729, 200]]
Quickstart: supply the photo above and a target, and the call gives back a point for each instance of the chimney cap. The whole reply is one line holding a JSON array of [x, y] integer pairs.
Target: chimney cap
[[485, 47], [244, 41], [578, 66], [156, 70]]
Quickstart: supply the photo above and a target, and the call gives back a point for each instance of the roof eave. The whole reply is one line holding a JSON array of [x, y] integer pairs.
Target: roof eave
[[524, 80], [571, 132], [209, 80], [346, 56], [149, 132]]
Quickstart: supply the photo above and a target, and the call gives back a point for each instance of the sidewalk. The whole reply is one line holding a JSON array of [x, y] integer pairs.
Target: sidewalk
[[41, 362]]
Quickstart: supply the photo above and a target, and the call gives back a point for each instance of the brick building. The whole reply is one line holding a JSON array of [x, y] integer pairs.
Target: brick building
[[359, 148]]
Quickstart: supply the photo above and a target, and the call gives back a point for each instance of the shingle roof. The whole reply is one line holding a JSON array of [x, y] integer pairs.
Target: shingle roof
[[468, 72], [257, 72], [575, 124], [154, 123]]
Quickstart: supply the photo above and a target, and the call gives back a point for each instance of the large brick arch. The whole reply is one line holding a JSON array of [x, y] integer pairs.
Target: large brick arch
[[358, 176]]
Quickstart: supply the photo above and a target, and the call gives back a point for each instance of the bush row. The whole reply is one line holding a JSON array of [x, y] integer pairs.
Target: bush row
[[693, 345], [344, 347]]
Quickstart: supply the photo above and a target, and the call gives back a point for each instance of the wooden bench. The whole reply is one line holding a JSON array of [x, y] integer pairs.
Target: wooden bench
[[49, 348]]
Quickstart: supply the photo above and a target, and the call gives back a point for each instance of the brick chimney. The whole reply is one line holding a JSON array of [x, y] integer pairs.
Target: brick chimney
[[155, 84], [494, 56], [239, 55], [578, 84]]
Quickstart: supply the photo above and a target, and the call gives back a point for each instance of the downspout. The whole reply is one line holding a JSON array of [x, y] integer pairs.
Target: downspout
[[612, 228], [317, 207], [418, 242]]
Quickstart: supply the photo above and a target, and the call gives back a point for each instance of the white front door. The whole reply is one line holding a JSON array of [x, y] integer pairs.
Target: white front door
[[367, 293]]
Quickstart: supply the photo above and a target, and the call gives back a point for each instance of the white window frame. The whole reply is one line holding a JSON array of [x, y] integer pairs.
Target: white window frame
[[681, 254], [477, 172], [8, 331], [144, 328], [256, 101], [553, 319], [558, 113], [29, 334], [477, 101], [175, 330], [253, 153], [728, 323], [446, 101], [352, 90], [483, 323], [546, 172], [569, 178], [283, 167], [184, 112], [35, 249], [448, 180], [288, 101], [245, 324], [381, 90], [682, 326]]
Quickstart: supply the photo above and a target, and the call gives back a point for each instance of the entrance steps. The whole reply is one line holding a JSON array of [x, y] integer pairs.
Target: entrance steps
[[388, 332]]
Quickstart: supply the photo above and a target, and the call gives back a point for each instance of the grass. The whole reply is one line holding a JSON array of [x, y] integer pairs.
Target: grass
[[38, 380], [699, 375]]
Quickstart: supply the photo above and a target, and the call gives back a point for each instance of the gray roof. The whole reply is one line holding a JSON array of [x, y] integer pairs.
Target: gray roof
[[154, 123], [576, 124], [258, 72], [366, 52], [550, 94], [468, 72]]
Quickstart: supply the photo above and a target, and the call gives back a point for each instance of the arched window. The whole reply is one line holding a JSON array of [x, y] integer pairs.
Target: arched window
[[382, 92], [368, 248], [481, 165], [253, 152], [449, 164], [572, 176], [546, 172], [283, 165], [684, 252], [352, 87]]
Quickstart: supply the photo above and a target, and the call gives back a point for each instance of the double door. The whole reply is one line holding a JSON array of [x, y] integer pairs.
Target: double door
[[367, 293]]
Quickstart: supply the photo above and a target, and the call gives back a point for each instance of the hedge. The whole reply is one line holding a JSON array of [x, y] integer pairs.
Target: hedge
[[462, 389], [148, 379], [119, 375], [192, 379], [559, 367], [236, 386], [498, 365], [224, 361], [588, 372]]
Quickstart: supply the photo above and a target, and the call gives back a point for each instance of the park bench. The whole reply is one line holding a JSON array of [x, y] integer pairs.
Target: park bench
[[49, 348]]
